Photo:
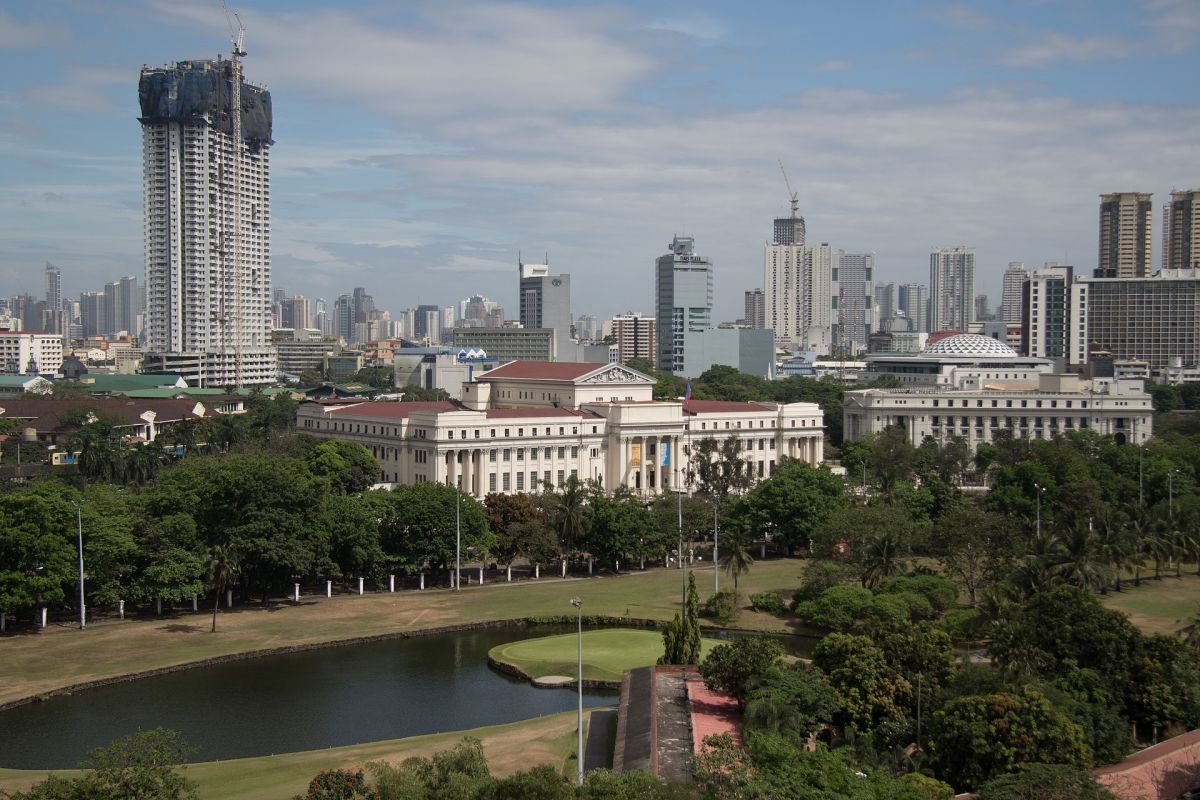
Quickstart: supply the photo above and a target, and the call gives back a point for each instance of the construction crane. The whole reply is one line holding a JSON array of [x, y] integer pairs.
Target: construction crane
[[792, 196], [238, 39]]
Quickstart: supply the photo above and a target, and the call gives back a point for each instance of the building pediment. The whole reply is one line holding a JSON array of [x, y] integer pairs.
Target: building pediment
[[616, 373]]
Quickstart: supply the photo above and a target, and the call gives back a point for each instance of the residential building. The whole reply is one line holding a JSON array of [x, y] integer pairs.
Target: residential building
[[294, 313], [914, 302], [1011, 298], [789, 231], [1181, 231], [634, 336], [979, 389], [545, 302], [801, 296], [855, 276], [951, 288], [91, 314], [885, 302], [123, 306], [526, 426], [30, 353], [1126, 229], [755, 309], [207, 223], [1055, 321], [683, 291]]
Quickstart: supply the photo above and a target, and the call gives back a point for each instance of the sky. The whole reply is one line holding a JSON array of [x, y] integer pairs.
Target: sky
[[421, 148]]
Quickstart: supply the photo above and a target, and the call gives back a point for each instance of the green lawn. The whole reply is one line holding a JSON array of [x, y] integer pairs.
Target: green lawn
[[1156, 605], [606, 653], [509, 748]]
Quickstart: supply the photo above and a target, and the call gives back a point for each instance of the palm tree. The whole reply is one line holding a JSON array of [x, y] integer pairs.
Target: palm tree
[[735, 558], [1115, 542], [223, 566], [1082, 561], [1191, 631], [882, 557]]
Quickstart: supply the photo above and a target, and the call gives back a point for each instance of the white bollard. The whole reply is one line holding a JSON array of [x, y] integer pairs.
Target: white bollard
[[391, 583], [3, 621], [564, 574], [481, 576], [510, 573], [158, 606], [329, 588], [618, 569], [422, 581], [195, 603], [295, 593], [537, 571], [643, 566], [43, 617], [360, 586], [762, 551], [120, 609], [229, 598], [589, 565]]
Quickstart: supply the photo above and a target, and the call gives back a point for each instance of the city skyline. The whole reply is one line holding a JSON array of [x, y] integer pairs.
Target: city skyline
[[554, 128]]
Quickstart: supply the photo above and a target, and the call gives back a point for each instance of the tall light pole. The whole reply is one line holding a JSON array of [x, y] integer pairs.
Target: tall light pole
[[457, 539], [79, 539], [578, 603], [716, 571], [1171, 494], [1040, 490]]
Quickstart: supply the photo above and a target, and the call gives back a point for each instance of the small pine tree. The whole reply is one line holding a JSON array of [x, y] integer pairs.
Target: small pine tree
[[681, 637]]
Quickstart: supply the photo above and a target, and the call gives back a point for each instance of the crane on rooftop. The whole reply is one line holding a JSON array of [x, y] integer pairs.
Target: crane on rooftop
[[792, 196]]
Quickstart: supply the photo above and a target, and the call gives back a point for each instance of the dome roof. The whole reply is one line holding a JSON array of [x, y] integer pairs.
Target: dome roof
[[969, 344]]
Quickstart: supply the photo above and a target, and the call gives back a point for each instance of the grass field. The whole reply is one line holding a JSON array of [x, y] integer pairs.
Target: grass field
[[606, 653], [509, 748], [1156, 606]]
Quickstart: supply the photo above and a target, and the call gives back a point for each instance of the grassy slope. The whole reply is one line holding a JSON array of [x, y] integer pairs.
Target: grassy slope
[[1155, 606], [606, 653]]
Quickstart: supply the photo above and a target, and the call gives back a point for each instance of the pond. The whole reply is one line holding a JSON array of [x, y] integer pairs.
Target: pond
[[299, 701]]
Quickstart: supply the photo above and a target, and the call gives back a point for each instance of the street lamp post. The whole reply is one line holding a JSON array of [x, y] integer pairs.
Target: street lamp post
[[79, 540], [716, 571], [457, 539], [1040, 490], [578, 603]]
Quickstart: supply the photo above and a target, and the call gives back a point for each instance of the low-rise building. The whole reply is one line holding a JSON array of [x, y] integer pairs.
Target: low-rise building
[[975, 387], [530, 425]]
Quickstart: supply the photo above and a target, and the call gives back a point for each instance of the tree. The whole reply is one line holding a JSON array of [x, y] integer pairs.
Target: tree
[[617, 523], [792, 503], [348, 466], [868, 689], [223, 564], [1190, 632], [794, 702], [37, 557], [882, 556], [681, 637], [141, 766], [974, 545], [1045, 782], [570, 514], [419, 531], [337, 784], [718, 469], [735, 557], [732, 667], [1083, 562], [978, 737]]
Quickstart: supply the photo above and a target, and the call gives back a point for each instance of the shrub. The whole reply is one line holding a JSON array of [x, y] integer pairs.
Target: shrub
[[768, 603], [721, 606], [819, 576], [837, 609], [942, 593]]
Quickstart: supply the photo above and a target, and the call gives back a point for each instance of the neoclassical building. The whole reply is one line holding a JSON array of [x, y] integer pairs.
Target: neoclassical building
[[531, 424], [973, 387]]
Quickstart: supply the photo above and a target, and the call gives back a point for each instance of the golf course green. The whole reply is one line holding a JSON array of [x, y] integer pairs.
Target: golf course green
[[607, 654]]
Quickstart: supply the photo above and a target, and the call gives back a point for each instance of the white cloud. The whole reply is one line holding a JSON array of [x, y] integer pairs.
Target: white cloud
[[1048, 48], [14, 33]]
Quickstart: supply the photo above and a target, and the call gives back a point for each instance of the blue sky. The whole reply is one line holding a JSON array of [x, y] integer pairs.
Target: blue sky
[[421, 146]]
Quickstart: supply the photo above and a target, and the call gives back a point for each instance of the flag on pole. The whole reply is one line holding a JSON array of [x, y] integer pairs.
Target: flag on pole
[[687, 393]]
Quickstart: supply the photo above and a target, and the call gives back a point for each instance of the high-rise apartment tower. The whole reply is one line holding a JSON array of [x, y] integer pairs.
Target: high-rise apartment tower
[[1181, 231], [207, 223], [683, 292], [1126, 230], [1014, 282], [951, 288]]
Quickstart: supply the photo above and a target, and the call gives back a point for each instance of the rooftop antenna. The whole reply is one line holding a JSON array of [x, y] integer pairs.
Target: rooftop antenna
[[238, 38], [792, 197]]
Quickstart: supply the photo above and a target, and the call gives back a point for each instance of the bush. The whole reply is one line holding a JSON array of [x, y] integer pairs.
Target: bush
[[721, 606], [819, 576], [942, 593], [730, 667], [837, 609], [768, 603]]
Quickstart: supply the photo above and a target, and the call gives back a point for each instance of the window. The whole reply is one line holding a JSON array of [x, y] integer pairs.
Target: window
[[520, 454], [520, 481], [575, 452], [561, 478], [507, 454], [507, 482], [492, 456], [562, 452], [546, 452]]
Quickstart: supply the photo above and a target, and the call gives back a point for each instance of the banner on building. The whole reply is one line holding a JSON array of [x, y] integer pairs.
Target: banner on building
[[666, 454], [635, 454]]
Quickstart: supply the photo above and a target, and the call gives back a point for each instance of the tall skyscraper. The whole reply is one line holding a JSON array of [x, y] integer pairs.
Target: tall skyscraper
[[545, 302], [799, 289], [1181, 231], [294, 313], [914, 302], [1055, 322], [683, 291], [91, 314], [789, 230], [951, 288], [206, 139], [53, 287], [854, 273], [1014, 282], [755, 311], [122, 306], [885, 302], [1126, 231]]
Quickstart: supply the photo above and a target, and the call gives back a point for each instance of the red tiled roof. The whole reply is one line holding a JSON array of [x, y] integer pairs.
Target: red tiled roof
[[543, 370], [524, 413], [723, 407], [713, 713], [395, 410]]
